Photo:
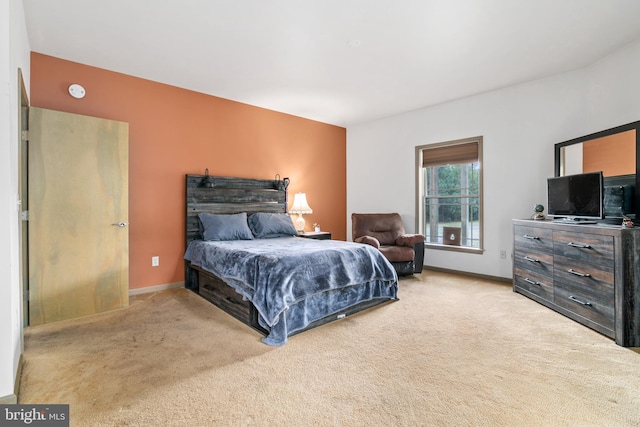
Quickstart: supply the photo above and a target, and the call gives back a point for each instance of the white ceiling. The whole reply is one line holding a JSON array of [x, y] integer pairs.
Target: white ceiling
[[294, 56]]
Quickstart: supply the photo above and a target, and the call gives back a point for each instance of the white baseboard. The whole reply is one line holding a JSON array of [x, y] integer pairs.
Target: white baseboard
[[156, 288], [469, 274], [11, 399]]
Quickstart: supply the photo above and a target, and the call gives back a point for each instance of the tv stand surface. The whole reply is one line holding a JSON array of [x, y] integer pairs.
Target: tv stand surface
[[589, 273], [574, 221]]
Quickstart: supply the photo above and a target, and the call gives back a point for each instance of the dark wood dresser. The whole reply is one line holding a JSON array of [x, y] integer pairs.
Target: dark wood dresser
[[589, 273]]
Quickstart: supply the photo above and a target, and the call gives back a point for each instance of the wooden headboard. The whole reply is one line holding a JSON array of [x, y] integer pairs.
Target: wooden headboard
[[227, 195]]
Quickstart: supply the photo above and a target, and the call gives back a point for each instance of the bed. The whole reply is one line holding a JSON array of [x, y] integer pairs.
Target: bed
[[270, 279]]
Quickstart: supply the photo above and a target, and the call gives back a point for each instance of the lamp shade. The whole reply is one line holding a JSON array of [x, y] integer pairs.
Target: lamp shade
[[300, 205]]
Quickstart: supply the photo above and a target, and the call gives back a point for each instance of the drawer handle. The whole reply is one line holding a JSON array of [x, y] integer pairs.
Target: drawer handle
[[577, 273], [579, 245], [528, 258], [526, 236], [233, 301], [587, 303], [532, 282]]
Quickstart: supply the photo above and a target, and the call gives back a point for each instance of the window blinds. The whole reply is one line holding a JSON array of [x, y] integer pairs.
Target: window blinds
[[450, 155]]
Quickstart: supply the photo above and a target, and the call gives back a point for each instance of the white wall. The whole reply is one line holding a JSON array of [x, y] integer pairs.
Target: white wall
[[520, 126], [14, 54], [613, 90]]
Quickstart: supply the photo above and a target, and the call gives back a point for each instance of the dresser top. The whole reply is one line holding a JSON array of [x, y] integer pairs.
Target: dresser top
[[608, 229]]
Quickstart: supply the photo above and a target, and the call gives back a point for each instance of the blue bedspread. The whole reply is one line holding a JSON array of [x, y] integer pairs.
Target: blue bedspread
[[294, 281]]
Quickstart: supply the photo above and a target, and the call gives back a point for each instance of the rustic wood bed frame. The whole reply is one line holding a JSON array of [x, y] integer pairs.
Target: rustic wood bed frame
[[228, 195]]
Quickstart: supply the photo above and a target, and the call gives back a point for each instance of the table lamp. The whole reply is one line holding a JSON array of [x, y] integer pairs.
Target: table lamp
[[300, 206]]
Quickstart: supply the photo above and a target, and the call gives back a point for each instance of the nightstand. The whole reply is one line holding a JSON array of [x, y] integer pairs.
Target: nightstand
[[318, 235]]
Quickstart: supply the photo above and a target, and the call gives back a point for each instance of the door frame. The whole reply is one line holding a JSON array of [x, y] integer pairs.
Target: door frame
[[23, 192]]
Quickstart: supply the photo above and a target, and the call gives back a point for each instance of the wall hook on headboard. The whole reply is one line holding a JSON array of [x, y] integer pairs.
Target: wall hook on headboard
[[207, 181]]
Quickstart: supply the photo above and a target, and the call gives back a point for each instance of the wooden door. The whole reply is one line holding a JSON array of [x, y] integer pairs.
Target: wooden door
[[78, 215]]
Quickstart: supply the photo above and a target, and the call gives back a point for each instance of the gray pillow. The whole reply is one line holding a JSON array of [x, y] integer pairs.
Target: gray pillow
[[225, 227], [268, 225]]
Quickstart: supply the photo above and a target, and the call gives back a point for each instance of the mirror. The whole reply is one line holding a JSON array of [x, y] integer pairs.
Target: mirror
[[614, 155], [613, 151]]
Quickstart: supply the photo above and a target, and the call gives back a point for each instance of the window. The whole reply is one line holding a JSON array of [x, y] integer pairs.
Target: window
[[449, 194]]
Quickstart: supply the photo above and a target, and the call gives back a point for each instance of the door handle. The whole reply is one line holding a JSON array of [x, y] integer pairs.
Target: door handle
[[120, 224]]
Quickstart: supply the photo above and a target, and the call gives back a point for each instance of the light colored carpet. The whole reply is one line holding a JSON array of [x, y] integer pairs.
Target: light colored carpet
[[453, 351]]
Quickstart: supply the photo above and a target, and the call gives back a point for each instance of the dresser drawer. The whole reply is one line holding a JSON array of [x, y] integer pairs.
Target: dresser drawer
[[569, 271], [583, 247], [532, 239], [224, 296], [537, 263], [531, 282], [596, 310]]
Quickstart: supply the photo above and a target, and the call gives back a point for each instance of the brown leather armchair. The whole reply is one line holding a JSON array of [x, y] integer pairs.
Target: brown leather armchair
[[386, 232]]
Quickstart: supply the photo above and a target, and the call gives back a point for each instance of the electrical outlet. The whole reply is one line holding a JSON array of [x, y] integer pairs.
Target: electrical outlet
[[503, 254], [155, 261]]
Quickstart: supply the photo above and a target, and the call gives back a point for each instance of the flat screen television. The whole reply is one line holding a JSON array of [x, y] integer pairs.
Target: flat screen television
[[576, 197]]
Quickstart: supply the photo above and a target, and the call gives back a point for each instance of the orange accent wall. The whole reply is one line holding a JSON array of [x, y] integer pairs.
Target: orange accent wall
[[174, 131]]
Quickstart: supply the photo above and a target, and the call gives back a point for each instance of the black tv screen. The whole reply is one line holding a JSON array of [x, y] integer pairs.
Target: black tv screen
[[576, 197]]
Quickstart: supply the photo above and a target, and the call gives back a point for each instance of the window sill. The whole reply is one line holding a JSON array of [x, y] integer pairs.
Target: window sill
[[454, 248]]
